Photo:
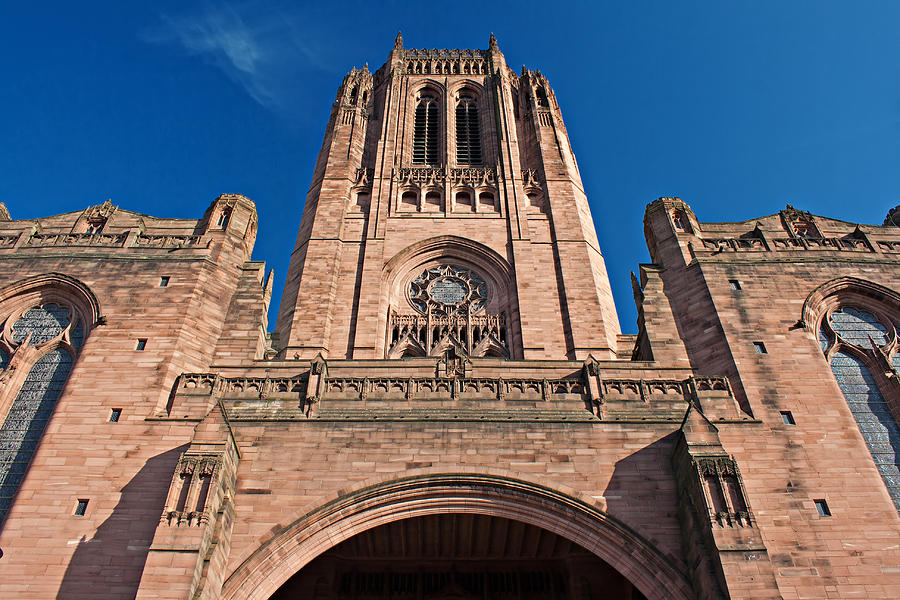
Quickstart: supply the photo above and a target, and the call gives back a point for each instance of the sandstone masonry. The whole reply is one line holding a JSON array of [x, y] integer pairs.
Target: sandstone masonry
[[446, 407]]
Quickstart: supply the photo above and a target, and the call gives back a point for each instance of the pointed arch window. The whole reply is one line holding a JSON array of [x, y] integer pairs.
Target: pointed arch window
[[45, 337], [852, 339], [468, 132], [425, 131]]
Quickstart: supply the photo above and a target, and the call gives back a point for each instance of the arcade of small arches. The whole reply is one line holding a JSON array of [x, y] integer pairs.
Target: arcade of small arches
[[447, 67], [464, 200]]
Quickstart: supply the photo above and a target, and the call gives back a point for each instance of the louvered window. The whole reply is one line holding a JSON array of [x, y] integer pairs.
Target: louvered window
[[468, 132], [425, 136]]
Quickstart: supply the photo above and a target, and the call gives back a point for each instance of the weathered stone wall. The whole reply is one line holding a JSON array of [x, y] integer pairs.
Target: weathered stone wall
[[122, 468], [786, 467], [235, 463]]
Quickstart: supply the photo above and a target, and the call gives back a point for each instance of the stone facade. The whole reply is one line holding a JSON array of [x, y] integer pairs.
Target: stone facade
[[446, 407]]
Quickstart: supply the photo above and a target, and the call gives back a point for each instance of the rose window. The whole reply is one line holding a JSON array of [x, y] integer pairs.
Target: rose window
[[449, 290]]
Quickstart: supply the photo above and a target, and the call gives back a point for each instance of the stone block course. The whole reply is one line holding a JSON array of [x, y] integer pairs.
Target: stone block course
[[241, 457]]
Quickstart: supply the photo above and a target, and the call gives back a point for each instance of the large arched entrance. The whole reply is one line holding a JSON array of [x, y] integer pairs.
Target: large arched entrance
[[369, 516], [458, 556]]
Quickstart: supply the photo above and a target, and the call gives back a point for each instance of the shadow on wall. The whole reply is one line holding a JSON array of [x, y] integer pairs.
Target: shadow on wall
[[110, 564], [641, 487]]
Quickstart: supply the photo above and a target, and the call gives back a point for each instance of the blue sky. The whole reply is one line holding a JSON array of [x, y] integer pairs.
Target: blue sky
[[737, 107]]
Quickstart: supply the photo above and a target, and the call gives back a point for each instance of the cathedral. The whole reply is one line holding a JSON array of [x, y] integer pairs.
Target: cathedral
[[445, 407]]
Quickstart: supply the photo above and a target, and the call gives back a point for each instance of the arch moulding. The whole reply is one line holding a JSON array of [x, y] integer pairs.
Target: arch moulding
[[444, 245], [846, 289], [299, 543], [55, 285], [466, 253]]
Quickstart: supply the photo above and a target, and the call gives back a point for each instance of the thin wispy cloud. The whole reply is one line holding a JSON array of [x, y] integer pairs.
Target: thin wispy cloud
[[265, 51]]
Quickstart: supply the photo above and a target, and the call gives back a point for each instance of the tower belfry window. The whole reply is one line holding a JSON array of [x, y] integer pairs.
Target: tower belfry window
[[468, 132], [425, 134]]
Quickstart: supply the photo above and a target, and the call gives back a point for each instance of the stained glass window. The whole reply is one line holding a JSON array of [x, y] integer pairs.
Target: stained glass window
[[448, 291], [872, 414], [824, 338], [27, 418], [857, 327], [77, 335], [43, 323]]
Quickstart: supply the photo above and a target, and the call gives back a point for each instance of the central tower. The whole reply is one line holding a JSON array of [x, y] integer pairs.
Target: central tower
[[446, 214]]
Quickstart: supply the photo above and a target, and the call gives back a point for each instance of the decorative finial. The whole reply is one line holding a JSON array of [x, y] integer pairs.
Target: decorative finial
[[398, 41], [493, 43]]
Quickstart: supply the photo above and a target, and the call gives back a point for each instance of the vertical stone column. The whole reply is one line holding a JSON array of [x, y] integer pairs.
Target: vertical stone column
[[370, 324], [589, 313], [724, 548], [658, 337], [308, 303], [191, 544]]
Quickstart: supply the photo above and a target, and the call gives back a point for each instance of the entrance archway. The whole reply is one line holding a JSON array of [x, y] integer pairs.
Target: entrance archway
[[459, 557], [576, 520]]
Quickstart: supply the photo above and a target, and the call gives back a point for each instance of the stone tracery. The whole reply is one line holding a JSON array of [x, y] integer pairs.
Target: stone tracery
[[856, 343], [449, 304], [448, 290], [41, 339]]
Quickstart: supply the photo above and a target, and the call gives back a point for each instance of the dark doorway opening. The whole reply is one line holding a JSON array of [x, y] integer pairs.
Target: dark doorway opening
[[457, 557]]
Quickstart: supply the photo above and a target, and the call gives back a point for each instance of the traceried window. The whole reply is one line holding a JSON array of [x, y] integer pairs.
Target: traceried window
[[448, 290], [444, 309], [425, 132], [468, 132], [42, 323], [55, 331], [95, 226], [848, 336], [858, 328], [224, 217]]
